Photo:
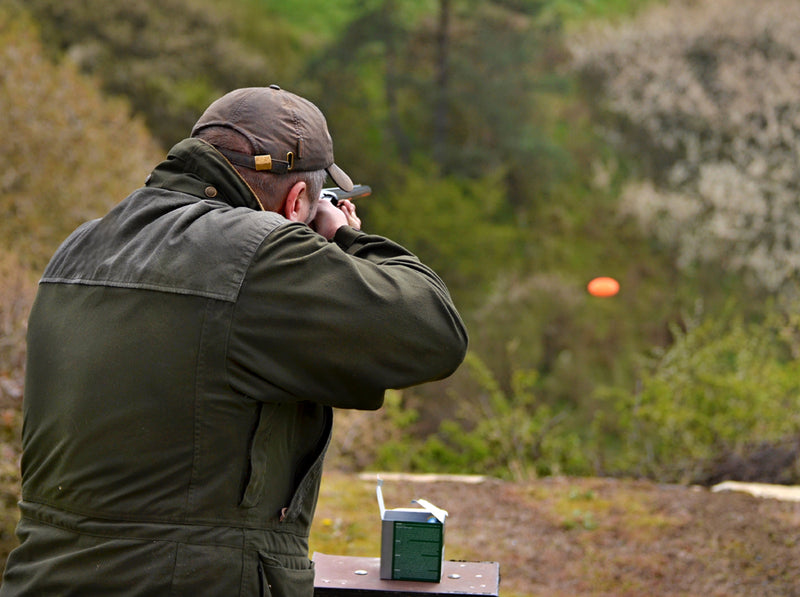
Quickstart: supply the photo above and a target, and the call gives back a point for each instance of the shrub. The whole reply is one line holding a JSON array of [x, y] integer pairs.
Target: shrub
[[67, 152], [170, 58], [723, 385], [507, 434], [707, 96]]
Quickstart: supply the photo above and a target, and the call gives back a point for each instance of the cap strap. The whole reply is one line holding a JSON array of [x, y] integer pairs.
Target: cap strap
[[262, 163]]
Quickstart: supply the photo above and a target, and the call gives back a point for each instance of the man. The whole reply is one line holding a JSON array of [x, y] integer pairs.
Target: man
[[184, 355]]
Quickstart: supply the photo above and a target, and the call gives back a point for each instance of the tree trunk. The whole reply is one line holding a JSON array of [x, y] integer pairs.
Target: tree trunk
[[442, 82]]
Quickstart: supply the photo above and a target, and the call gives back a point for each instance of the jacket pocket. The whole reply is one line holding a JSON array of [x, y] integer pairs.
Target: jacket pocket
[[304, 501], [280, 581], [259, 451]]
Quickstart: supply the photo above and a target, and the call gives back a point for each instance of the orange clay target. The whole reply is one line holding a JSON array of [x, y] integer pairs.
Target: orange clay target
[[603, 286]]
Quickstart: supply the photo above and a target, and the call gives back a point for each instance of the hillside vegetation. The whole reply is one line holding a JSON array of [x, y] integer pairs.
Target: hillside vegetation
[[521, 148]]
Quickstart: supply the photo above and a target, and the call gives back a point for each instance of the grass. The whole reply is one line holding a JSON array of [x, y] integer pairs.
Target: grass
[[347, 520]]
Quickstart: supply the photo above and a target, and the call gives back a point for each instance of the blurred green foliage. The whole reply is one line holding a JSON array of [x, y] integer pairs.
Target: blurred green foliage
[[62, 155], [170, 58], [721, 389], [428, 211], [722, 386], [505, 433]]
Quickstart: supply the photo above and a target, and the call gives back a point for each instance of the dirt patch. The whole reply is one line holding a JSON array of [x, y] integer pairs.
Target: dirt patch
[[581, 537]]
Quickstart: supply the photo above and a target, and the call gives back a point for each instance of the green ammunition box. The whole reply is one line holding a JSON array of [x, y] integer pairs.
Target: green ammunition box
[[412, 541]]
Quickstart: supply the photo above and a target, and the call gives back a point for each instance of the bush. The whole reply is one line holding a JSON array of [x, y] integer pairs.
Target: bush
[[458, 227], [170, 58], [724, 385], [707, 96], [67, 153], [509, 435]]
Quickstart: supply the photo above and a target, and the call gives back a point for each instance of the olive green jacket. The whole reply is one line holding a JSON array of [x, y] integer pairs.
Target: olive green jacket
[[184, 355]]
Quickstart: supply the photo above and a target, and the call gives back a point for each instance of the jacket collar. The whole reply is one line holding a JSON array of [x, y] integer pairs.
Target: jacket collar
[[195, 167]]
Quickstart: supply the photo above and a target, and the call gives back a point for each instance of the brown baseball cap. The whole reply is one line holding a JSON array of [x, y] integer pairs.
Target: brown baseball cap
[[286, 131]]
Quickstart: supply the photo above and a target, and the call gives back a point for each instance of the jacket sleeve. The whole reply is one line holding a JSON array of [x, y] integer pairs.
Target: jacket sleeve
[[340, 322]]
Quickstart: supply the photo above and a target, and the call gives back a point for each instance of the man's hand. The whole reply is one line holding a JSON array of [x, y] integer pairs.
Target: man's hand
[[329, 219], [349, 210]]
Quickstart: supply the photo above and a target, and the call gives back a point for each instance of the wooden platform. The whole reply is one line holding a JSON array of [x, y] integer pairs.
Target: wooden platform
[[350, 576]]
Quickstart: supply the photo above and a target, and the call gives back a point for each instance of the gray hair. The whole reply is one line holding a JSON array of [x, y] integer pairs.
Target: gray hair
[[270, 188]]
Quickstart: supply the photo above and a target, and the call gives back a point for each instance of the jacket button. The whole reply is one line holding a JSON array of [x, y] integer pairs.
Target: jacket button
[[211, 192]]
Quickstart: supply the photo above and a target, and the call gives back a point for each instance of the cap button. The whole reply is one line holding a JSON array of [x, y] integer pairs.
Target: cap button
[[211, 192], [273, 86]]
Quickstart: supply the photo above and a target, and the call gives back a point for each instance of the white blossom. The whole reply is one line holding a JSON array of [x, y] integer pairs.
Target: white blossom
[[711, 89]]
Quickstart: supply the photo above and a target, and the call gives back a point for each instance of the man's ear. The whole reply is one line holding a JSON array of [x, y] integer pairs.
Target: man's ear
[[295, 206]]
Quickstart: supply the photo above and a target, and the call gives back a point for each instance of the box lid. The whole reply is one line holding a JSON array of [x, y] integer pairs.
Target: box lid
[[436, 512]]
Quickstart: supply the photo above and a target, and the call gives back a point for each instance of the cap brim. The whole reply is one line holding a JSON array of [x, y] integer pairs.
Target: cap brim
[[340, 178]]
